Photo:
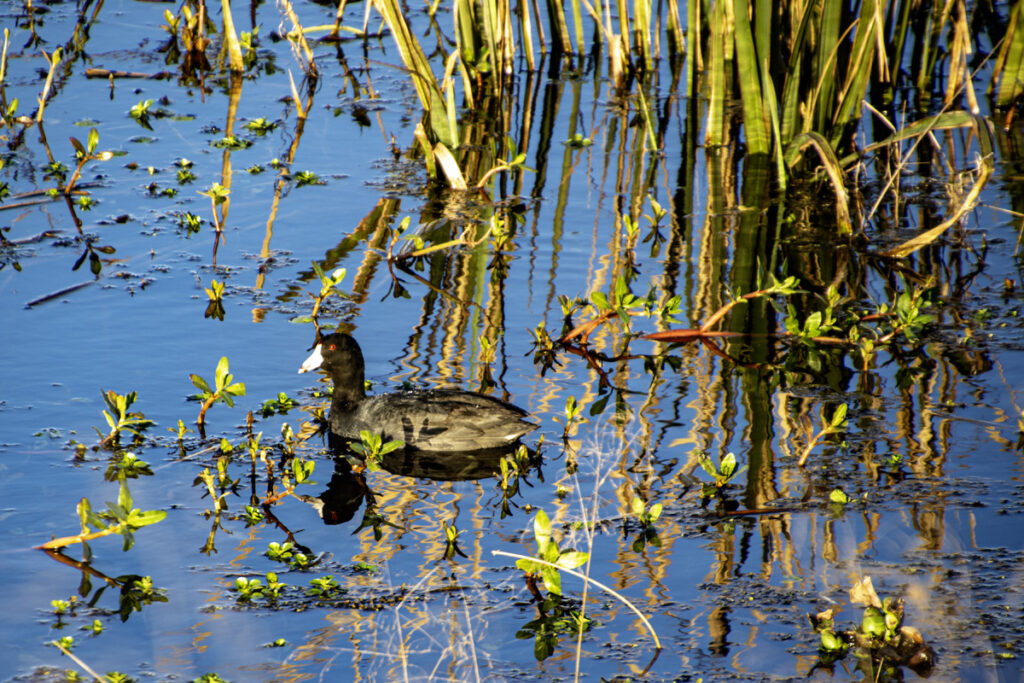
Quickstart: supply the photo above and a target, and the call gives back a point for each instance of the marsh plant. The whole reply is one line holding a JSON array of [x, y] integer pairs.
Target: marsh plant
[[120, 418], [120, 517], [372, 449], [223, 390]]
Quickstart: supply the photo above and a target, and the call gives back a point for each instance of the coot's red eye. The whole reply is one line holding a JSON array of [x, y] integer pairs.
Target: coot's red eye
[[331, 347]]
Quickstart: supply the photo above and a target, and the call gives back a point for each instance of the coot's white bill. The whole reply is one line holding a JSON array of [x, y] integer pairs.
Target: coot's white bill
[[314, 361]]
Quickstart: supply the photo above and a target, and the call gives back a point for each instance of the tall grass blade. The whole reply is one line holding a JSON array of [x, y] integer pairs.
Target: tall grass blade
[[422, 75], [792, 120], [866, 39], [526, 34], [827, 46], [717, 93], [756, 120], [674, 31], [577, 25], [642, 32], [1009, 69]]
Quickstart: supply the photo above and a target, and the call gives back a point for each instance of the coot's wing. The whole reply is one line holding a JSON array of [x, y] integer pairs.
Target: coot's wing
[[444, 420]]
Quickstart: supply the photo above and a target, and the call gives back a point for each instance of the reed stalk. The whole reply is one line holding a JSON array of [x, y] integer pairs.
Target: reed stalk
[[235, 61], [1008, 73]]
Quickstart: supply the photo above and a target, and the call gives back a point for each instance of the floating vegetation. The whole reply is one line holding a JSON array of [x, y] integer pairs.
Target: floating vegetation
[[882, 643]]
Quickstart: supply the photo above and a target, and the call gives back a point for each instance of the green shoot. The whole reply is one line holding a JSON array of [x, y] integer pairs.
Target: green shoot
[[119, 518], [451, 540], [224, 392], [372, 449], [215, 292], [555, 559], [725, 472], [120, 418], [835, 425]]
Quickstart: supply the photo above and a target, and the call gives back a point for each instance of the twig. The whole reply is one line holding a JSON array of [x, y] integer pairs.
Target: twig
[[79, 662]]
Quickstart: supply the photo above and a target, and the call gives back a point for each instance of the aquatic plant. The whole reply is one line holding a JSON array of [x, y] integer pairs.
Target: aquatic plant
[[722, 473], [218, 195], [372, 448], [552, 559], [119, 418], [119, 518], [329, 284], [215, 308], [278, 406], [451, 541], [833, 425], [647, 517], [224, 391], [881, 637]]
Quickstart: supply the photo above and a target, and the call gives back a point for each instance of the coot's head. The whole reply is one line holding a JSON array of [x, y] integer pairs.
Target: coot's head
[[339, 355]]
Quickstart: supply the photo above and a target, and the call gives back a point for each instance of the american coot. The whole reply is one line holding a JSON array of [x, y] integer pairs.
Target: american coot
[[426, 420]]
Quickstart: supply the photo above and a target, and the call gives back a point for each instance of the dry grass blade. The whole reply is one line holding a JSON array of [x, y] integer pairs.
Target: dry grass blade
[[832, 168], [449, 166], [986, 166], [53, 60], [85, 667], [298, 38]]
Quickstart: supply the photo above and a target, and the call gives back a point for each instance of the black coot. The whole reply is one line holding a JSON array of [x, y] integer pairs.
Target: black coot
[[426, 420]]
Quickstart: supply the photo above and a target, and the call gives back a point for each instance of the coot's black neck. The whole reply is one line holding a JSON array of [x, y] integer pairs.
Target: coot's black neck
[[349, 387]]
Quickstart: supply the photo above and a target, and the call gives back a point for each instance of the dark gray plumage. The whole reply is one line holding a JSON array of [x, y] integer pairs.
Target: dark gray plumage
[[426, 420]]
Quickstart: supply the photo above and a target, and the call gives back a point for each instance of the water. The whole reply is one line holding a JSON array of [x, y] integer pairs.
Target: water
[[727, 595]]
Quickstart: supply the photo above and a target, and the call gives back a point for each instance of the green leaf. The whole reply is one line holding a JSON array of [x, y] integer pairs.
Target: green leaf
[[708, 466], [552, 580], [79, 147], [529, 566], [839, 417], [830, 642], [812, 326], [654, 512], [637, 506], [728, 465], [572, 559], [391, 446], [124, 498], [839, 496], [320, 273], [140, 518], [221, 375], [200, 383], [542, 529]]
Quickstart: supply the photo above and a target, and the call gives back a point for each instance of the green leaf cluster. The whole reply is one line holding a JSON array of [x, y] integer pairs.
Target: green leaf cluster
[[547, 550], [373, 449], [224, 391]]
